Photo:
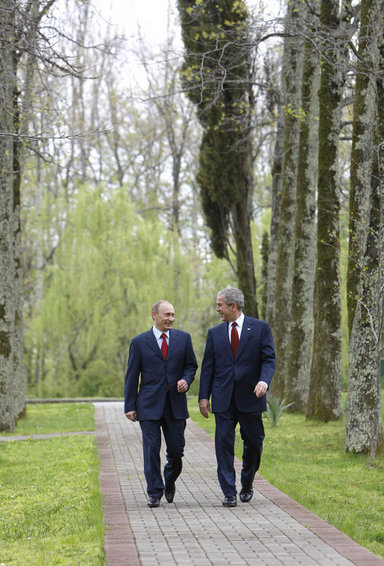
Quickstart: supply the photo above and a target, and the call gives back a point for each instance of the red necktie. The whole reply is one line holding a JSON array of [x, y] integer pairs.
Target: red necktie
[[234, 339], [164, 346], [164, 350]]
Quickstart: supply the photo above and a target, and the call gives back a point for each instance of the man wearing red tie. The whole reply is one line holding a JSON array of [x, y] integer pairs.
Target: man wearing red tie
[[237, 369], [165, 361]]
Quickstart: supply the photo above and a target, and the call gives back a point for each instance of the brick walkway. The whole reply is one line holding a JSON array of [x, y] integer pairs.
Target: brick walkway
[[196, 529]]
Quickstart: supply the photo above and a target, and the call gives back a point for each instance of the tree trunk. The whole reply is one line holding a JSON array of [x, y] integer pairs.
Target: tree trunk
[[364, 114], [292, 73], [326, 361], [363, 427], [7, 266], [298, 376], [245, 269], [18, 343], [276, 172]]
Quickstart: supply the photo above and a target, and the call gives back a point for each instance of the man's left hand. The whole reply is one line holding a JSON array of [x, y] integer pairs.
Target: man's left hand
[[182, 386], [260, 390]]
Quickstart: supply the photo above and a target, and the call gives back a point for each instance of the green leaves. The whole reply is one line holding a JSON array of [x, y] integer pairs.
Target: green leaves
[[110, 267]]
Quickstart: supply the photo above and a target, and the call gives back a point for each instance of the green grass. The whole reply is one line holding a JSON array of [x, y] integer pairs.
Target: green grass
[[51, 508], [307, 461], [50, 503], [56, 417]]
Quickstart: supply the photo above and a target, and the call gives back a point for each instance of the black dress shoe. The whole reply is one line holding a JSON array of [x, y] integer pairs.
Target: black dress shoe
[[153, 501], [246, 495], [169, 492], [230, 501]]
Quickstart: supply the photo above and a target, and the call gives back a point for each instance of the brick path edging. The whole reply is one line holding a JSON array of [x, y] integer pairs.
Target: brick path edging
[[342, 543], [119, 545]]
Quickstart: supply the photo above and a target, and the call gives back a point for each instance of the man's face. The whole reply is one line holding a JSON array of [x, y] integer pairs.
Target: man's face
[[228, 313], [164, 319]]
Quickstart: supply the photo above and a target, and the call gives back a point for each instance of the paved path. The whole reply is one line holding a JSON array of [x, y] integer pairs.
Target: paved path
[[196, 529]]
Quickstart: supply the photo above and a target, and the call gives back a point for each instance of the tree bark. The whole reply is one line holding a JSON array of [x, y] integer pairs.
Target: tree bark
[[298, 374], [363, 428], [326, 360], [276, 173], [292, 74], [7, 206], [364, 114]]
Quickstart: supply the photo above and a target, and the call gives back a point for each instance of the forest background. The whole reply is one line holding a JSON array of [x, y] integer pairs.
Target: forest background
[[249, 153]]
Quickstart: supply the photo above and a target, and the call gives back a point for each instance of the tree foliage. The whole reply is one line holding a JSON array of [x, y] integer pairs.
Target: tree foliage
[[110, 267], [216, 76]]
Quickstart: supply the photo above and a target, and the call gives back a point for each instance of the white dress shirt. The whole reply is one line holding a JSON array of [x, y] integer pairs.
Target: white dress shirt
[[239, 326], [239, 322], [158, 337]]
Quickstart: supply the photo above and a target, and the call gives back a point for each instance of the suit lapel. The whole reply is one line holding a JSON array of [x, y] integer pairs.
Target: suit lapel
[[246, 333], [173, 336], [224, 338], [152, 343]]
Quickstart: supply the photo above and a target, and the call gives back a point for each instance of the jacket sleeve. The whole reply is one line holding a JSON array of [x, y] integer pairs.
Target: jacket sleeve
[[268, 358], [190, 363], [132, 377], [207, 369]]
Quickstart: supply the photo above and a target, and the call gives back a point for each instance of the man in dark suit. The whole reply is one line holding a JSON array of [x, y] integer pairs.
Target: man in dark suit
[[237, 368], [165, 361]]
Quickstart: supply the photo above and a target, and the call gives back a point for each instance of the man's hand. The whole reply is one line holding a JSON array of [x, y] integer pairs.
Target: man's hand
[[204, 407], [182, 386], [260, 389], [131, 416]]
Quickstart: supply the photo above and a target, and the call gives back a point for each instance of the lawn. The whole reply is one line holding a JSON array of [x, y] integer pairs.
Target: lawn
[[307, 461], [51, 507]]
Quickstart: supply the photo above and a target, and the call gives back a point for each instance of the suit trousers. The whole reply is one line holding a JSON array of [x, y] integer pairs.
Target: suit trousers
[[173, 431], [252, 435]]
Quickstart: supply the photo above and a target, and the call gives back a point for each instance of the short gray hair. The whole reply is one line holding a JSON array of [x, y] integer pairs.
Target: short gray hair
[[233, 295]]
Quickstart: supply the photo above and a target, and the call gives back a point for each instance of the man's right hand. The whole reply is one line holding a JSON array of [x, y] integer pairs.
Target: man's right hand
[[131, 416], [204, 407]]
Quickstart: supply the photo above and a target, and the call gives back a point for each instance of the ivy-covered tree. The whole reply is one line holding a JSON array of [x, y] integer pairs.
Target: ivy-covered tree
[[216, 76], [324, 400]]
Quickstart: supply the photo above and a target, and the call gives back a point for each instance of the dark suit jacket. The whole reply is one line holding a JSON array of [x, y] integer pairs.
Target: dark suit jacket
[[145, 359], [222, 376]]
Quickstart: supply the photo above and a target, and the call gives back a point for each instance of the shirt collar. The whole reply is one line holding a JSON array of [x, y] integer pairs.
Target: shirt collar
[[240, 321], [158, 333]]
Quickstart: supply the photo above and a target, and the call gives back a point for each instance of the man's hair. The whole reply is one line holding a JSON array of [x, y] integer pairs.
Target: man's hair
[[233, 295], [156, 305]]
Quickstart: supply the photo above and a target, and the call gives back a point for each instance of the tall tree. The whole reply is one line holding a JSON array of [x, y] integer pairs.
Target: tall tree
[[276, 172], [9, 302], [297, 377], [292, 73], [364, 117], [216, 76], [363, 426], [324, 401]]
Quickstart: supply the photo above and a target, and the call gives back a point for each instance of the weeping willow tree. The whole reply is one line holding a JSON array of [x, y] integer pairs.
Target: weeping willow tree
[[110, 266], [216, 75]]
